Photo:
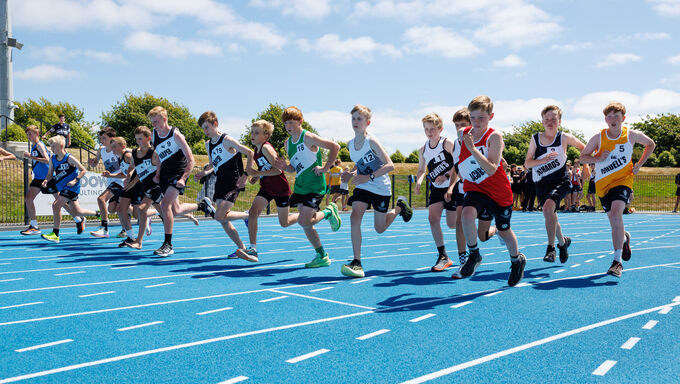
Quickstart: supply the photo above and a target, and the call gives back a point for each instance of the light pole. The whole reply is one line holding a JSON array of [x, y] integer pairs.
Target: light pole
[[6, 81]]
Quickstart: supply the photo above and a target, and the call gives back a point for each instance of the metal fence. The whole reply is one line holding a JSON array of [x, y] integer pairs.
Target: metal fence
[[652, 193]]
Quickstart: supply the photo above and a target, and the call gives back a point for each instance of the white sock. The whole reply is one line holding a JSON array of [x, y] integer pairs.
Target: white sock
[[617, 254], [34, 223]]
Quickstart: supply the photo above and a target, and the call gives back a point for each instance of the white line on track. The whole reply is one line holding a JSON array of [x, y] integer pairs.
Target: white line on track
[[464, 303], [307, 356], [676, 299], [273, 299], [665, 310], [589, 261], [5, 263], [601, 256], [520, 285], [421, 318], [234, 380], [43, 345], [650, 324], [8, 280], [320, 299], [630, 343], [510, 351], [157, 285], [492, 294], [98, 294], [560, 271], [372, 334], [321, 289], [214, 311], [575, 265], [68, 273], [139, 326], [360, 281], [124, 267], [604, 368], [22, 305], [51, 259], [422, 268]]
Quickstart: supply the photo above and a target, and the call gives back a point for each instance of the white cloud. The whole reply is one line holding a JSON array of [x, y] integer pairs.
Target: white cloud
[[666, 8], [572, 47], [60, 54], [672, 79], [170, 45], [331, 46], [45, 72], [307, 9], [105, 57], [674, 60], [517, 25], [617, 59], [438, 41], [510, 61]]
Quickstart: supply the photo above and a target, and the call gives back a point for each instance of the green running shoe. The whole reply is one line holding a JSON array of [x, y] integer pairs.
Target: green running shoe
[[318, 261], [51, 237], [334, 219], [353, 269]]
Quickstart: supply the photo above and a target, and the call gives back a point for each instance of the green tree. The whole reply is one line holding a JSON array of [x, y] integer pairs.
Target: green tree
[[278, 139], [666, 159], [664, 130], [45, 113], [397, 157], [128, 114], [413, 157], [344, 155]]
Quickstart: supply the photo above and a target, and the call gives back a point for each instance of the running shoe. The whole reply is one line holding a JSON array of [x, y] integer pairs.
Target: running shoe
[[164, 251], [248, 254], [233, 255], [517, 270], [457, 275], [100, 233], [564, 254], [205, 205], [148, 226], [471, 264], [462, 257], [616, 269], [550, 254], [443, 262], [406, 211], [80, 226], [353, 269], [51, 237], [334, 219], [122, 234], [125, 242], [625, 255], [31, 230], [319, 261]]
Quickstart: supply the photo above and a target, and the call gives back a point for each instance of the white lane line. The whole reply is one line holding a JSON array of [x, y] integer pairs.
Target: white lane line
[[604, 368], [68, 273], [560, 271], [307, 356], [8, 280], [22, 305], [520, 285], [575, 265], [630, 343], [676, 299], [320, 299], [422, 268], [360, 281], [5, 263], [464, 303], [510, 351], [589, 261], [52, 259], [601, 256], [650, 324], [124, 267], [157, 285], [402, 249], [272, 299], [423, 246], [214, 311], [98, 294], [139, 326], [372, 334], [234, 380], [492, 294], [421, 318], [665, 310], [321, 289], [43, 345]]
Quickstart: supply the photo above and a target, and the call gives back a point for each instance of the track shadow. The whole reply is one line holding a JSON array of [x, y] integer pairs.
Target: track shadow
[[416, 278], [488, 275], [237, 270], [401, 303], [584, 282]]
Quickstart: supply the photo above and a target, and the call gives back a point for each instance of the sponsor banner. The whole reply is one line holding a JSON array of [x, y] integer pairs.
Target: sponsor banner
[[91, 186]]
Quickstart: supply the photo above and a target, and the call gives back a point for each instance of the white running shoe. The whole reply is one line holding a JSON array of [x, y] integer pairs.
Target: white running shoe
[[100, 233]]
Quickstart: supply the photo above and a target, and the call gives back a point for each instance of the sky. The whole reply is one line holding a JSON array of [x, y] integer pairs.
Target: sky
[[401, 58]]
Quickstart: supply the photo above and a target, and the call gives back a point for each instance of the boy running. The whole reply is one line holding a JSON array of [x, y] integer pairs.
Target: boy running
[[372, 186], [547, 156], [40, 160], [304, 152], [108, 200], [612, 152]]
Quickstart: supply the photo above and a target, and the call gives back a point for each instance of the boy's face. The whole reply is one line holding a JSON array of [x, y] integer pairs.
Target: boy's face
[[105, 140], [292, 126], [117, 149], [551, 120], [461, 124], [209, 129], [158, 121], [32, 136], [480, 119], [614, 119], [359, 122], [57, 148], [142, 141], [257, 136], [431, 131], [62, 119]]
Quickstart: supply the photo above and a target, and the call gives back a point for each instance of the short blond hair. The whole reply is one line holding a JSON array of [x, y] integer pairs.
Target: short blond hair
[[158, 111], [461, 115], [292, 113], [482, 102], [120, 141], [614, 106], [57, 140], [265, 126], [552, 108], [434, 119], [363, 110], [32, 128]]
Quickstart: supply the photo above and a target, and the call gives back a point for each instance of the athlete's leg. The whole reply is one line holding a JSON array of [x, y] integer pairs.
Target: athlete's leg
[[358, 210], [259, 203], [222, 212], [435, 217]]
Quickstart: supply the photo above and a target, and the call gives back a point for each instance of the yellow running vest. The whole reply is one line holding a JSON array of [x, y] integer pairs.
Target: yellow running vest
[[617, 168]]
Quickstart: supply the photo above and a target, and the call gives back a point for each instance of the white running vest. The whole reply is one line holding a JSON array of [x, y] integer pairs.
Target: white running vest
[[367, 162]]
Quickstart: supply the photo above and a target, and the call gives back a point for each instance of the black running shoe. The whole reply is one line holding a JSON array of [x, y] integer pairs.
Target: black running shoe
[[164, 251], [625, 255], [406, 211], [473, 261], [442, 263], [616, 269], [549, 254], [125, 242], [205, 205], [80, 227], [564, 254], [517, 270]]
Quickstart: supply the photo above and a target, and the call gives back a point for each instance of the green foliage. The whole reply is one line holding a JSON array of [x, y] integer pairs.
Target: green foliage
[[664, 130], [666, 159], [413, 157], [397, 157], [128, 114], [278, 139], [344, 154], [31, 112], [573, 153], [199, 148], [13, 133], [513, 155]]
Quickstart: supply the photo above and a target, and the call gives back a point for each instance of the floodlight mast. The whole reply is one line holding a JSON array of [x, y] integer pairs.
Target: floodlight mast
[[6, 81]]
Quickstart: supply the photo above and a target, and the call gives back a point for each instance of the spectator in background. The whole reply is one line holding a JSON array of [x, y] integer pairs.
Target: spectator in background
[[5, 155], [61, 129], [677, 192], [529, 192]]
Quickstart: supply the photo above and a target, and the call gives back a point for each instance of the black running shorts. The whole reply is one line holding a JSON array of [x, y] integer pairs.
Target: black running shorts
[[281, 201], [379, 202], [620, 192], [553, 191], [437, 195], [484, 203], [311, 200]]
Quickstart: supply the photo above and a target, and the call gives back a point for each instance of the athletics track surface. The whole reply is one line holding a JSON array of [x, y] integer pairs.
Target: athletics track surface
[[85, 311]]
